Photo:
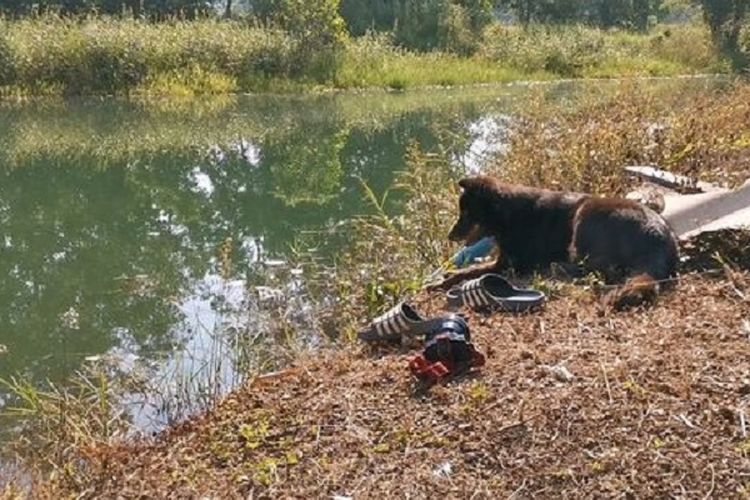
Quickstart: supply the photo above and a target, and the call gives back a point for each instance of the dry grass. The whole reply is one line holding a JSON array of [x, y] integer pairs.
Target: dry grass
[[655, 409], [697, 132]]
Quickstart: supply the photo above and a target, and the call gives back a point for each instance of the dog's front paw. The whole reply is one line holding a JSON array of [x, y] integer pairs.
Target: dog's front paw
[[450, 280], [440, 286]]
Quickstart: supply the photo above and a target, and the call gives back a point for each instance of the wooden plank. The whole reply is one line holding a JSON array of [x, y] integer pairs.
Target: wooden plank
[[661, 177]]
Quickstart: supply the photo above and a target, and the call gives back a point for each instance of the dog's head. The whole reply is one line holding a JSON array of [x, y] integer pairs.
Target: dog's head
[[469, 227]]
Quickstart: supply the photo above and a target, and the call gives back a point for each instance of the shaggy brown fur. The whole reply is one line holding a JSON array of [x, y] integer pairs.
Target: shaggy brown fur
[[536, 227]]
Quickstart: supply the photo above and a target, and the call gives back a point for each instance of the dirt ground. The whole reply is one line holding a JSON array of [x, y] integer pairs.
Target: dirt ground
[[657, 406]]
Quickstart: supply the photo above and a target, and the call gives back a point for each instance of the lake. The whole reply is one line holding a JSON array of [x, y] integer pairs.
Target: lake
[[132, 232]]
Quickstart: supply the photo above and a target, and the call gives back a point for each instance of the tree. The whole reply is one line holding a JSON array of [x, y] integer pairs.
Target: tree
[[725, 19], [421, 24], [604, 13], [362, 16], [479, 11], [317, 27]]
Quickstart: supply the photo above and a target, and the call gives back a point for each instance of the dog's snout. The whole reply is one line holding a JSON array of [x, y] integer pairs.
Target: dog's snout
[[459, 231]]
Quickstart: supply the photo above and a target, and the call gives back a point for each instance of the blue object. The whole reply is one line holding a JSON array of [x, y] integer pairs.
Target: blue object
[[468, 255]]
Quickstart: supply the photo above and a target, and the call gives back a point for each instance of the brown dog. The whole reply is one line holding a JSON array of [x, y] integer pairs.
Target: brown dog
[[536, 227]]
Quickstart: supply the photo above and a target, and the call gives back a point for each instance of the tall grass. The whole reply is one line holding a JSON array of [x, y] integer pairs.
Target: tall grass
[[704, 134], [65, 420], [512, 53], [386, 257], [579, 51], [373, 61], [111, 56], [103, 55]]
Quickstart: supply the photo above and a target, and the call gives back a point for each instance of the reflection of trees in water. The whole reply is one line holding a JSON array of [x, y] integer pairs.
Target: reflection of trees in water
[[121, 244], [69, 234], [306, 168]]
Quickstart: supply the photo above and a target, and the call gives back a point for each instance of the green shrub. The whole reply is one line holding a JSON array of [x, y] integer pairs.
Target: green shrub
[[745, 39], [106, 55], [561, 50], [453, 25], [317, 26], [7, 61], [574, 51], [455, 33], [416, 24], [689, 45], [105, 62]]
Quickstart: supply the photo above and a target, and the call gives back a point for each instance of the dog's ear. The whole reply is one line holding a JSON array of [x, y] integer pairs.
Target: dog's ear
[[468, 183], [476, 183]]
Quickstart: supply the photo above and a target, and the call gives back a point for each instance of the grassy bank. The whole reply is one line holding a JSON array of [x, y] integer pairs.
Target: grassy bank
[[106, 56], [653, 410], [658, 395]]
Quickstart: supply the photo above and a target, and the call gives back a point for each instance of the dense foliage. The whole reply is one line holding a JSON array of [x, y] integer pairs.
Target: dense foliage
[[52, 55], [421, 24], [726, 19], [355, 43], [604, 13], [456, 25], [154, 9]]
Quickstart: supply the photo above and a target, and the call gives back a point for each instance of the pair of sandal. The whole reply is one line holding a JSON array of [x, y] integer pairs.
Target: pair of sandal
[[491, 291]]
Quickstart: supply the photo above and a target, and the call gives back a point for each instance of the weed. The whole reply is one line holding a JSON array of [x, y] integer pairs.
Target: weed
[[368, 277], [381, 448], [597, 467], [292, 458], [255, 434], [576, 51], [265, 471], [188, 83], [110, 56], [478, 393], [635, 389], [61, 421]]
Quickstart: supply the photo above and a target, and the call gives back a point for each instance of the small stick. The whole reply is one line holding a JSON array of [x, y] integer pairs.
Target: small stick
[[713, 483], [743, 424], [682, 418], [274, 375], [606, 382], [519, 490]]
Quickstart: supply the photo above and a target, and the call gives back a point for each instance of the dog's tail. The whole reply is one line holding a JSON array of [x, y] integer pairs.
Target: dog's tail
[[638, 290], [644, 287]]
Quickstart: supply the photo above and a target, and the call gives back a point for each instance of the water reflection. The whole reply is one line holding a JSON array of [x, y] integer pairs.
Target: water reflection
[[116, 213]]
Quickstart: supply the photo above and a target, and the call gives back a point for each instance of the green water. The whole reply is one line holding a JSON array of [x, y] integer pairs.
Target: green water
[[113, 214]]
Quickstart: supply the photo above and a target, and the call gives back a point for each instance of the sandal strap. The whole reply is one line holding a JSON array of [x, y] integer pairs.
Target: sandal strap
[[474, 294], [452, 328], [392, 323]]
